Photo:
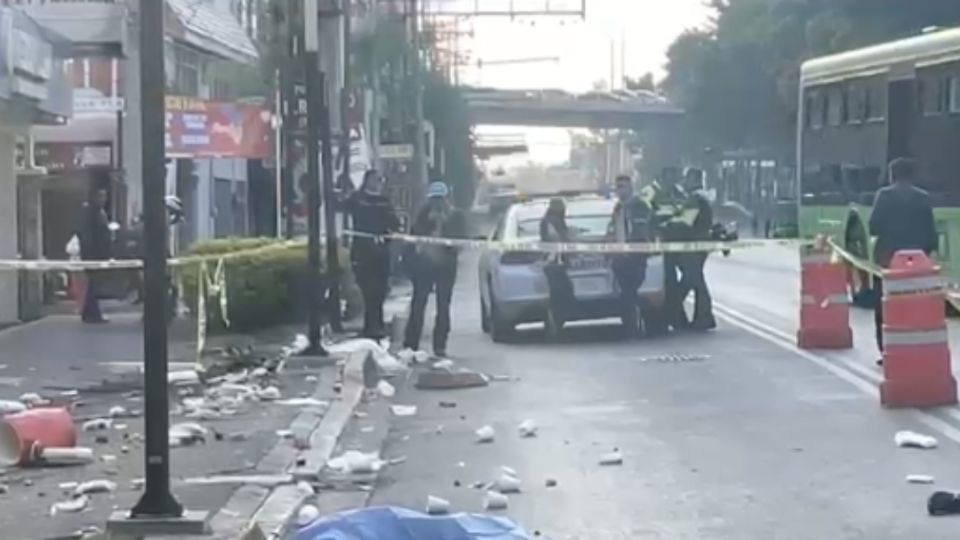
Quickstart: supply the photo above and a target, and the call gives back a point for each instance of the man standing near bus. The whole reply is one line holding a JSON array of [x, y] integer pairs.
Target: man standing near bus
[[902, 218]]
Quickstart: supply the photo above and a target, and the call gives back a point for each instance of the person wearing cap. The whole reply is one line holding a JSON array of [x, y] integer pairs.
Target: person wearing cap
[[433, 267], [372, 214]]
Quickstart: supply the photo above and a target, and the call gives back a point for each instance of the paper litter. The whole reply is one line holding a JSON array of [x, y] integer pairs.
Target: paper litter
[[485, 434], [352, 461], [919, 479], [528, 428], [910, 439], [72, 506], [403, 410], [386, 389], [612, 458]]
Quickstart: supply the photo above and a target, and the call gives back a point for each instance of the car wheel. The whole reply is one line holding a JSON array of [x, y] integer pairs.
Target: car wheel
[[501, 330], [484, 316]]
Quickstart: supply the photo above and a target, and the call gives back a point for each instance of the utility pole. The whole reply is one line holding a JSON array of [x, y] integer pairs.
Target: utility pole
[[419, 150], [157, 509], [315, 102], [345, 97]]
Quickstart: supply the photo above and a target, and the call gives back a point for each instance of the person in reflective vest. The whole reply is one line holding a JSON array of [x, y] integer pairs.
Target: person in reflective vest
[[696, 220], [631, 223]]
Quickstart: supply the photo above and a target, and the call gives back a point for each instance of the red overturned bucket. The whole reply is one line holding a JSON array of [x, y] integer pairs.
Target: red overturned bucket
[[24, 435]]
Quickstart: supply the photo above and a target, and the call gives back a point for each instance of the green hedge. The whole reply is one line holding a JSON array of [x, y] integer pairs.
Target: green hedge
[[264, 288]]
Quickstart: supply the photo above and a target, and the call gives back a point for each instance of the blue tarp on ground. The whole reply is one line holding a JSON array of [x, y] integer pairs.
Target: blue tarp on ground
[[389, 523]]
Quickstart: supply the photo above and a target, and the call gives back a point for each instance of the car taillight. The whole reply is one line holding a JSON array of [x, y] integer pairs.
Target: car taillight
[[521, 257]]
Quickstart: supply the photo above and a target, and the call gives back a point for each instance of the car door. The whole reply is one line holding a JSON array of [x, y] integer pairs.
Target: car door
[[488, 260]]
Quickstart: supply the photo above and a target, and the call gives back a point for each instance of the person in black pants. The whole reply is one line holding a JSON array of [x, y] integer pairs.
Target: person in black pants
[[95, 245], [372, 213], [553, 228], [697, 219], [433, 267], [902, 219], [631, 223]]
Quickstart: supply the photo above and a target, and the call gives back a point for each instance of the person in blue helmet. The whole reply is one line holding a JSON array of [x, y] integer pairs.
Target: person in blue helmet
[[433, 267]]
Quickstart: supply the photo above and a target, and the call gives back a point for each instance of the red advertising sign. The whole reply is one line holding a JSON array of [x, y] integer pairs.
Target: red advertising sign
[[199, 128]]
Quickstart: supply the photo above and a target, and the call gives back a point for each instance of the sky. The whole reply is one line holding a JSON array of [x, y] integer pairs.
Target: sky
[[634, 33]]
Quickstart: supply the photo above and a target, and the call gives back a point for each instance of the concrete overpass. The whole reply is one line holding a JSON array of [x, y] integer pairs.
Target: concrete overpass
[[621, 109]]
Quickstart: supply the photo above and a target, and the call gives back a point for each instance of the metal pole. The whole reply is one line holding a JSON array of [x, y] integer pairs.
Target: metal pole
[[315, 99], [278, 151], [345, 96], [419, 158], [157, 500], [330, 207]]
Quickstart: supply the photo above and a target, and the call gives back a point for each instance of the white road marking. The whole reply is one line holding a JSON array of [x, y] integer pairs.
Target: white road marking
[[869, 387]]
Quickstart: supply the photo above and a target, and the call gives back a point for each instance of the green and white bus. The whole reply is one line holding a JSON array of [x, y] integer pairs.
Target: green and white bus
[[860, 109]]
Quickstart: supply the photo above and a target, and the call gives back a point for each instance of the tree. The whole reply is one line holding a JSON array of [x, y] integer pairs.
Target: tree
[[742, 68], [644, 82]]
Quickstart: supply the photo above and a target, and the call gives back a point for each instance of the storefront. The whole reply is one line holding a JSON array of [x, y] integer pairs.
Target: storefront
[[33, 90]]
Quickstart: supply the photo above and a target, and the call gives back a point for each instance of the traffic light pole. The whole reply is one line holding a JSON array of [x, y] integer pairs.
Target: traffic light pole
[[314, 80]]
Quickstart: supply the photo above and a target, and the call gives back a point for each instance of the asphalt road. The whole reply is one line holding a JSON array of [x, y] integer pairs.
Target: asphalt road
[[730, 435]]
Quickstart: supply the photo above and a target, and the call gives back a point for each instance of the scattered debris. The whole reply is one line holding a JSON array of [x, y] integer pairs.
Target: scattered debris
[[68, 487], [66, 456], [443, 364], [450, 379], [551, 482], [448, 404], [117, 411], [4, 489], [367, 429], [386, 389], [101, 439], [942, 503], [495, 501], [77, 504], [528, 428], [506, 483], [485, 434], [437, 506], [307, 514], [919, 479], [384, 360], [403, 410], [360, 415], [439, 430], [352, 461], [284, 433], [108, 458], [270, 393], [910, 439], [304, 402], [94, 486], [305, 487], [119, 427], [9, 407], [183, 377], [32, 399], [97, 424], [311, 378], [612, 458], [186, 434]]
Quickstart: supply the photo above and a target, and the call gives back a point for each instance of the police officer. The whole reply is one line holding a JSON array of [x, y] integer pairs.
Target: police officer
[[631, 222], [668, 200], [433, 267], [697, 217], [372, 213]]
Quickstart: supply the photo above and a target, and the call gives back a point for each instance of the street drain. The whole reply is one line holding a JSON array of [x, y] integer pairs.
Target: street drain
[[675, 359]]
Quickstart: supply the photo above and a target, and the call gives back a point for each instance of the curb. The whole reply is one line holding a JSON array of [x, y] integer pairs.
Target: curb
[[258, 512]]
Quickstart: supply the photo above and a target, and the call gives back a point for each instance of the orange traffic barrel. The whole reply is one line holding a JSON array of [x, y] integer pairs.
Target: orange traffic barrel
[[824, 303], [917, 370], [23, 436]]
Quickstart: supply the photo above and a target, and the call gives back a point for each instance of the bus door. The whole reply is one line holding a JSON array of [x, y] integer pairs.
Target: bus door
[[901, 107]]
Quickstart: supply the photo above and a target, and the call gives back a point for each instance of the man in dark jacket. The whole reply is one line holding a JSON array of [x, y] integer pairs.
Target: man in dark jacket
[[94, 234], [434, 266], [902, 218], [631, 222], [696, 221], [372, 213]]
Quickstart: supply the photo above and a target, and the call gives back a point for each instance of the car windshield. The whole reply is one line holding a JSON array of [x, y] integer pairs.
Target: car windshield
[[581, 227]]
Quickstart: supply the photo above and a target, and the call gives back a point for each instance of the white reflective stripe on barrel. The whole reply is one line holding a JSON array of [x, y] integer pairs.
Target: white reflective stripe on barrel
[[905, 285], [923, 337], [815, 258], [829, 300]]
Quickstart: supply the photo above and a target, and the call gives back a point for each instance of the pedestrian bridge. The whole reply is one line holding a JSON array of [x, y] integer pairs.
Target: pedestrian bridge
[[621, 109]]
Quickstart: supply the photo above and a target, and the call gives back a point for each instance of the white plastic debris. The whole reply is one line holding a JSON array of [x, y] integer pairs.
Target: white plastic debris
[[495, 501], [509, 470], [108, 458], [437, 506], [259, 373], [919, 479], [70, 393], [911, 439], [385, 361], [183, 377], [386, 389], [117, 411], [307, 514], [300, 344], [612, 458], [528, 428], [305, 488], [443, 364], [403, 410], [32, 399], [119, 427], [284, 433], [187, 433], [97, 424], [67, 456], [311, 378], [351, 462], [68, 486], [304, 402], [77, 504], [9, 407], [485, 434], [202, 414], [506, 483], [94, 486], [269, 393]]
